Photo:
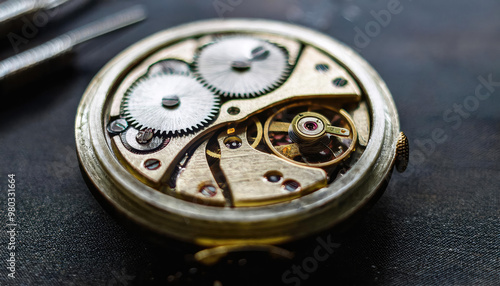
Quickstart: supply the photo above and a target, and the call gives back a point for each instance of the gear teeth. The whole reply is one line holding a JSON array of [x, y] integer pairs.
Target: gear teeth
[[174, 66], [127, 111], [251, 93]]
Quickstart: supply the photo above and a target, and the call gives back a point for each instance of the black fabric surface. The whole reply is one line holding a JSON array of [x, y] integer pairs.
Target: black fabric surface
[[437, 224]]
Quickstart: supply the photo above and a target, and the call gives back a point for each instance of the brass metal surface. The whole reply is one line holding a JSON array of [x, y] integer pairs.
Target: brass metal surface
[[245, 169], [361, 119], [302, 83], [196, 175]]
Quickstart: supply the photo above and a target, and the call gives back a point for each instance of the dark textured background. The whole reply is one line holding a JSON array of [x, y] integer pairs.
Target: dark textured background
[[438, 224]]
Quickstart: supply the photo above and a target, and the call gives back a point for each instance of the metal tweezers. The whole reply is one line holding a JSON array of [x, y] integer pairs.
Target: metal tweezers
[[14, 69]]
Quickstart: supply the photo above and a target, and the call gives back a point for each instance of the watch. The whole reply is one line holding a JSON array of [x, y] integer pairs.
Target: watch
[[225, 135]]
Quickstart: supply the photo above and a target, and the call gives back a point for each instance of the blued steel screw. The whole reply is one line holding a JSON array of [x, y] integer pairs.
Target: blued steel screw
[[152, 164], [208, 191], [117, 126], [260, 53], [322, 67], [340, 82], [291, 185]]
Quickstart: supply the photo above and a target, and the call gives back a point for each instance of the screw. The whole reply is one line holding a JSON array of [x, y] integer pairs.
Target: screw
[[340, 82], [322, 68], [260, 53], [233, 110], [291, 185], [208, 191], [152, 164], [170, 101], [144, 136], [241, 65], [117, 126]]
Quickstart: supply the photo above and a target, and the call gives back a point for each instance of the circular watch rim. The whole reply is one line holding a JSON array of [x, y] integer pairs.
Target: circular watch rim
[[211, 226]]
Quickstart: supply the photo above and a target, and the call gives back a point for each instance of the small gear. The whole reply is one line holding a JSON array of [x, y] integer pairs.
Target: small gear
[[242, 66], [169, 66], [169, 104], [311, 134]]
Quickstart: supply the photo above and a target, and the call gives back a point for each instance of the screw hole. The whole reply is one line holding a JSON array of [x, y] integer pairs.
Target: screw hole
[[233, 110], [273, 176], [233, 142]]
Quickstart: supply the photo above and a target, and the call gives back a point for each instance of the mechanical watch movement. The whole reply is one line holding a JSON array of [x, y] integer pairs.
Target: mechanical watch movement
[[238, 132]]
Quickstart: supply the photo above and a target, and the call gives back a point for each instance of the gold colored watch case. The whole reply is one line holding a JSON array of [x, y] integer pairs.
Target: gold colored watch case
[[144, 197]]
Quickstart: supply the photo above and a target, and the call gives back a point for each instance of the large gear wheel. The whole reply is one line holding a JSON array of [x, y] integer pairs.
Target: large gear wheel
[[242, 66], [170, 104]]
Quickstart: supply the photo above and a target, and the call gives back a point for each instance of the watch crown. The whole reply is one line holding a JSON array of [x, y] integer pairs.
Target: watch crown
[[402, 152]]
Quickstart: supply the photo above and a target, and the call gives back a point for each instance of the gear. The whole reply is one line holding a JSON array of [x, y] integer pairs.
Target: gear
[[242, 66], [170, 104], [169, 66], [311, 134]]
